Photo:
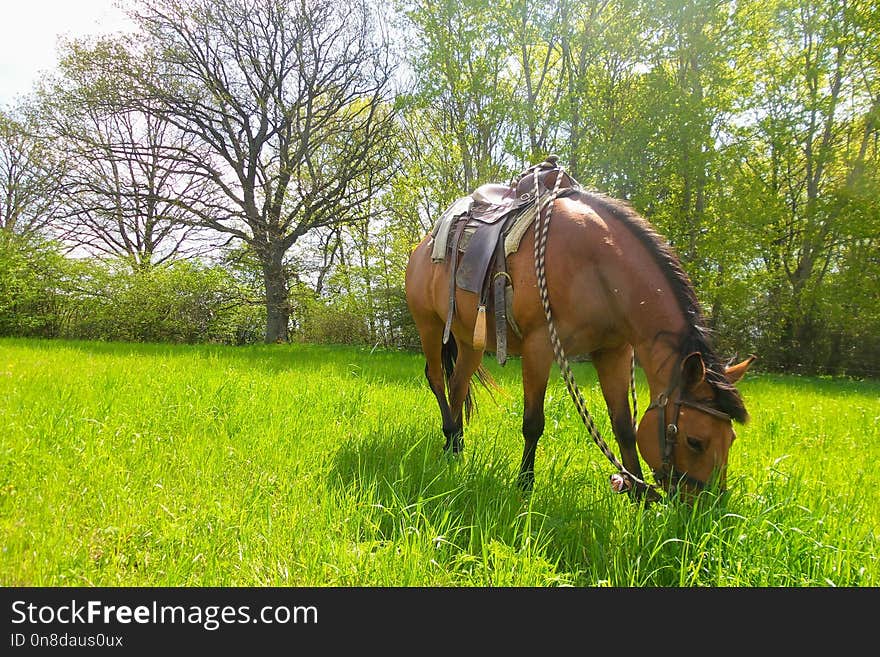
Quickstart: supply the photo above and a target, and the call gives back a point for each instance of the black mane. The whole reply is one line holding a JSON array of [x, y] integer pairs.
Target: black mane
[[697, 337]]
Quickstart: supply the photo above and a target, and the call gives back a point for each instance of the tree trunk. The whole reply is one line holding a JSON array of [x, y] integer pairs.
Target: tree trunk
[[277, 306]]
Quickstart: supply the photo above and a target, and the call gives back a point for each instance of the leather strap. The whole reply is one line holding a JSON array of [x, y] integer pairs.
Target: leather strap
[[453, 265], [667, 434], [499, 287]]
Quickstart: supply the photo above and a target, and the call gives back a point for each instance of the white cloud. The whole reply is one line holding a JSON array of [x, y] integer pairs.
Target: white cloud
[[29, 33]]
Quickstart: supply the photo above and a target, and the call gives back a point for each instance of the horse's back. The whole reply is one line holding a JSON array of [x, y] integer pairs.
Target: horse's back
[[589, 261]]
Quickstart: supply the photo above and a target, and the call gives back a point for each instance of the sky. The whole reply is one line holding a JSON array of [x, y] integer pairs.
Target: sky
[[29, 32]]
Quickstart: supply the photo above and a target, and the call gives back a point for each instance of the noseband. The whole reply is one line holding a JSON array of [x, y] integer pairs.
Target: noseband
[[667, 435]]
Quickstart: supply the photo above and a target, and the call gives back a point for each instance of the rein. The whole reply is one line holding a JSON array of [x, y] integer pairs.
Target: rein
[[667, 433], [542, 225]]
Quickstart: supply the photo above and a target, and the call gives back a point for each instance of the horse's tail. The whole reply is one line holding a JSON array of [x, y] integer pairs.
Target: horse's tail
[[448, 354]]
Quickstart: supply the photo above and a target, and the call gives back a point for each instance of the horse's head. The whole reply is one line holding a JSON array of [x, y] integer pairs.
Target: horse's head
[[686, 433]]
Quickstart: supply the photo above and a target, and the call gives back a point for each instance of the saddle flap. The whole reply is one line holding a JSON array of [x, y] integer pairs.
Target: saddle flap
[[475, 261]]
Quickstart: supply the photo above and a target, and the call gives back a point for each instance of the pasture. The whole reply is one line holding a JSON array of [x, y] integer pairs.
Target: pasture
[[301, 465]]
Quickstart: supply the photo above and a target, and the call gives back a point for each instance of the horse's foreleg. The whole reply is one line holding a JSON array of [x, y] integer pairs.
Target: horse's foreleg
[[536, 360], [613, 367]]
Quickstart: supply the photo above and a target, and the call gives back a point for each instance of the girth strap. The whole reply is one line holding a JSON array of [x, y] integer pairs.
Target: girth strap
[[499, 289], [453, 265]]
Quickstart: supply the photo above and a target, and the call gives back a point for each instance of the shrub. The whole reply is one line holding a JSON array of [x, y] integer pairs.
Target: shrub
[[180, 302], [34, 278]]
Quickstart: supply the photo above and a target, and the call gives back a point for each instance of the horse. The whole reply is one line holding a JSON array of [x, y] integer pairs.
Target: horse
[[618, 293]]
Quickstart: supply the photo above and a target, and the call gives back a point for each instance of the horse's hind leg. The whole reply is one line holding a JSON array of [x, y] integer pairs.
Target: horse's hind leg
[[467, 361], [537, 358], [431, 336]]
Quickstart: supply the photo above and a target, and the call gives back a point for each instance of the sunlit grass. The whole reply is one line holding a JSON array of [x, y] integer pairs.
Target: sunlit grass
[[153, 465]]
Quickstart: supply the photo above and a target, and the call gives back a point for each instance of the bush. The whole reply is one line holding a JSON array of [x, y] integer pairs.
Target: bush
[[335, 321], [34, 278], [180, 302], [44, 294]]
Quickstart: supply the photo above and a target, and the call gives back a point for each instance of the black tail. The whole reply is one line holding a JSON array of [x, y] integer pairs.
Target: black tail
[[449, 354]]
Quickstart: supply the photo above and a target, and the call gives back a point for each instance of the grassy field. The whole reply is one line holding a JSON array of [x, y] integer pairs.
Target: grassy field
[[154, 465]]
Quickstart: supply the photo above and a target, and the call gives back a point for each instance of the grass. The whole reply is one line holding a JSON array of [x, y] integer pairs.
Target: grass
[[157, 465]]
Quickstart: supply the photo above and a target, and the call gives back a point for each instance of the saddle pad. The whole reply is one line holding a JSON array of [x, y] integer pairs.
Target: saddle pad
[[518, 229], [440, 232]]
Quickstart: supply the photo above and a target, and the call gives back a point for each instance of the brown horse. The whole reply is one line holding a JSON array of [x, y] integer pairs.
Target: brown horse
[[615, 285]]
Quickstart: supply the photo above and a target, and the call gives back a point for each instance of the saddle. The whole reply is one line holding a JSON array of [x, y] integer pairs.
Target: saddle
[[471, 234]]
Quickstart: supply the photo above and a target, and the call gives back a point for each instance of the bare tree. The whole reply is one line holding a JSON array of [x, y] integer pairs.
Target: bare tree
[[123, 171], [30, 176], [290, 101]]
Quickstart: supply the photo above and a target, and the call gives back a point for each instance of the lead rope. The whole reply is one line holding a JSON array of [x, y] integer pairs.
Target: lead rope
[[632, 391], [542, 226]]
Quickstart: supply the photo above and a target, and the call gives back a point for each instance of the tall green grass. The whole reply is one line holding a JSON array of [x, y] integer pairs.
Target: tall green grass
[[154, 465]]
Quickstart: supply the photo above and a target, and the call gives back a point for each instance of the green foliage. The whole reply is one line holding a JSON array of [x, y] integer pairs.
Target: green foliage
[[459, 53], [340, 320], [33, 279], [346, 318], [747, 133], [42, 293], [180, 302]]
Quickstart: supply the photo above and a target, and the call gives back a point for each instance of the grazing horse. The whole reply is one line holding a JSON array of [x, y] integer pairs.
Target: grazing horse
[[617, 289]]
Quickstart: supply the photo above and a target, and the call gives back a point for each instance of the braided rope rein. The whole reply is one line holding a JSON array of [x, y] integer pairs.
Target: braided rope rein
[[542, 226]]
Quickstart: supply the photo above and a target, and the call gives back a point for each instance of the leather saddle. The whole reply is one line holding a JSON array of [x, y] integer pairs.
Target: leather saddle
[[471, 234]]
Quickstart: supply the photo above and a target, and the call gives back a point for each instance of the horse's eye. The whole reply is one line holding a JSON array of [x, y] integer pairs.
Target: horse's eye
[[695, 444]]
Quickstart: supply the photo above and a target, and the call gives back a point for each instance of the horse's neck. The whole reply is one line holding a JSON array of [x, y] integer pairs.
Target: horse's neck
[[659, 361], [656, 330]]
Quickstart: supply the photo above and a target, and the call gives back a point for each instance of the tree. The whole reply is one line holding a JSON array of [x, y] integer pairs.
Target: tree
[[459, 56], [535, 31], [289, 100], [123, 169], [604, 55], [31, 175], [814, 160]]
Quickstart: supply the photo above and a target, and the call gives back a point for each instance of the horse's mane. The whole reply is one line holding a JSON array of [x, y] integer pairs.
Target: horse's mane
[[697, 337]]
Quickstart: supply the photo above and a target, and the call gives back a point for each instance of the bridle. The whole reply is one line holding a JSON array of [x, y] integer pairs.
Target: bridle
[[667, 435]]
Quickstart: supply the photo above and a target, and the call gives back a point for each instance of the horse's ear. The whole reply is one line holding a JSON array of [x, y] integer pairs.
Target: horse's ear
[[735, 372], [693, 371]]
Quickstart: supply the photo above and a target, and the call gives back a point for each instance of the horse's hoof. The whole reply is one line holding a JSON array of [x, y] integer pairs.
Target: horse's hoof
[[641, 492], [454, 445], [526, 482]]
